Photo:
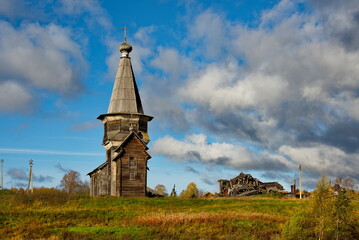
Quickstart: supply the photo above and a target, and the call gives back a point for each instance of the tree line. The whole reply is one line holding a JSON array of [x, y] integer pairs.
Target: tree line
[[328, 215]]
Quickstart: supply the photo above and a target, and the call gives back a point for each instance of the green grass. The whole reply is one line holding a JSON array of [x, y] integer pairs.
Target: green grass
[[50, 214]]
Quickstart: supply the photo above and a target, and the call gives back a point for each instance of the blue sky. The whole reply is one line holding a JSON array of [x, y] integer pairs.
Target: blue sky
[[253, 86]]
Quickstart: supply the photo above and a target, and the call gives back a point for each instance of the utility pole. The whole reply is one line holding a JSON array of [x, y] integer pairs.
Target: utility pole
[[2, 174], [300, 181], [29, 186]]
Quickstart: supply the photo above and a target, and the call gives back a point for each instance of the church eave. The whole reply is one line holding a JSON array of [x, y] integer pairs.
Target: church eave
[[103, 116], [98, 168]]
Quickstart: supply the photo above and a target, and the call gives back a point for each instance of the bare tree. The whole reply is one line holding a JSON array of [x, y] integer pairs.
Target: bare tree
[[71, 182]]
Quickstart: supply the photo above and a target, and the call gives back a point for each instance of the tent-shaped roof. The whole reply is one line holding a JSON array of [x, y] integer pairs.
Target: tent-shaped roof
[[125, 97]]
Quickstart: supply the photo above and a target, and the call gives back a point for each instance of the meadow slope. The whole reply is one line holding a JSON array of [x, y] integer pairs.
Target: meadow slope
[[51, 214]]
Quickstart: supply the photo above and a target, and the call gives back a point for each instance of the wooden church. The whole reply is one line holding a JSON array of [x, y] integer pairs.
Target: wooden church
[[125, 138]]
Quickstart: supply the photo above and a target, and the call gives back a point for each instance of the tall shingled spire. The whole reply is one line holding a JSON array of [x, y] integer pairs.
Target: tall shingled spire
[[125, 97]]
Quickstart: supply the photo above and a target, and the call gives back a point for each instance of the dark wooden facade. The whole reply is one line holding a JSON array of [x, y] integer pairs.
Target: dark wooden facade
[[131, 168], [126, 174]]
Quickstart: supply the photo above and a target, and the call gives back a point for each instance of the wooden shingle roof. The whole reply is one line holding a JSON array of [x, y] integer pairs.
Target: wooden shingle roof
[[125, 97], [120, 149]]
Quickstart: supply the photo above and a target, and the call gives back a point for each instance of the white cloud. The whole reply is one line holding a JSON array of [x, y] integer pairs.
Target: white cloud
[[196, 148], [315, 160], [40, 57], [323, 159], [92, 7], [208, 34], [289, 85], [223, 89], [144, 35], [46, 57], [13, 9], [286, 80], [340, 21], [170, 61], [14, 97]]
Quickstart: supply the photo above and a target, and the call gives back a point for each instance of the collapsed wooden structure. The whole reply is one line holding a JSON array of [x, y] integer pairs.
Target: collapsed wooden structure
[[246, 185]]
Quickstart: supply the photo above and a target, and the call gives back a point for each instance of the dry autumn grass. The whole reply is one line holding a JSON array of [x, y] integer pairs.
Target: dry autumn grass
[[51, 214]]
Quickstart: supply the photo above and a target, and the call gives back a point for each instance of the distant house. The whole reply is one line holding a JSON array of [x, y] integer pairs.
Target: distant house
[[207, 195], [124, 173], [271, 187]]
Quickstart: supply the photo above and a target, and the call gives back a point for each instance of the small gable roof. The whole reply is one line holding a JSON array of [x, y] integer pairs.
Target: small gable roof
[[98, 168], [130, 136]]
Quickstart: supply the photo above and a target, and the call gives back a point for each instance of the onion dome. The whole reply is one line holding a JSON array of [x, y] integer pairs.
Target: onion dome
[[125, 49]]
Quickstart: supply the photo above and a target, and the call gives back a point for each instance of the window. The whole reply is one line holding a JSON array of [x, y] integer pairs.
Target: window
[[133, 175], [132, 162], [132, 167]]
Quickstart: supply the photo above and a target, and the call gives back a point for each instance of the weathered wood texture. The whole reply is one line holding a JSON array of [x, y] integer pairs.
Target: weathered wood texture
[[125, 175], [245, 185], [117, 129], [132, 170], [99, 182]]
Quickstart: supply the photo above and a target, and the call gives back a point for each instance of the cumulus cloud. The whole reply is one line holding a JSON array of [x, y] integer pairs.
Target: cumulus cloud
[[323, 159], [41, 56], [315, 160], [35, 57], [171, 62], [208, 34], [341, 21], [91, 10], [288, 79], [13, 9], [219, 88], [196, 148], [289, 87], [14, 97]]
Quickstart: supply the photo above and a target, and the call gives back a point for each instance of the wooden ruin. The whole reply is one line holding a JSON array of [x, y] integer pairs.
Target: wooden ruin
[[124, 173], [245, 185]]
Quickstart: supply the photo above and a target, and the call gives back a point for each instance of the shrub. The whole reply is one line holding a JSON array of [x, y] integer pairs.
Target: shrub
[[161, 189], [300, 227], [190, 192]]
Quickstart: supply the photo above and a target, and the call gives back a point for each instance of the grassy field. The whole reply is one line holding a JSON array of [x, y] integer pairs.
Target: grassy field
[[50, 214]]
